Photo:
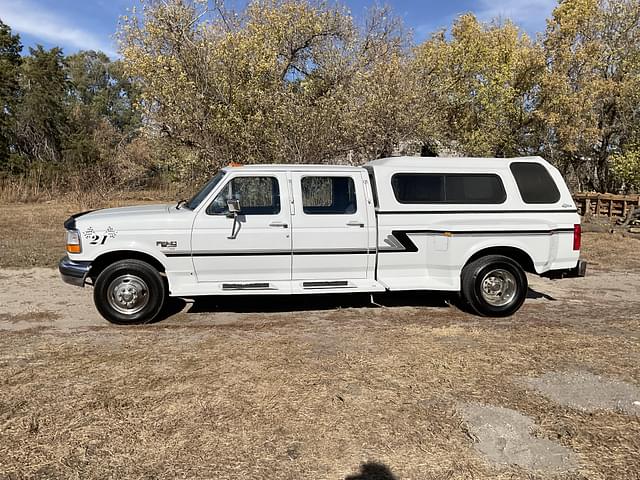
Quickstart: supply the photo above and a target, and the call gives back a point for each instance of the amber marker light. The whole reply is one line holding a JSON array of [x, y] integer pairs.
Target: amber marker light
[[73, 241]]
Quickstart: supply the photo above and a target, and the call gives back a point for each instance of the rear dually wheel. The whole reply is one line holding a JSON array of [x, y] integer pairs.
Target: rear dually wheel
[[494, 285]]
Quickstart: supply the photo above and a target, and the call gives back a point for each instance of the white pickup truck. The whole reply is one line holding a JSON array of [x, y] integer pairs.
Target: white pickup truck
[[469, 225]]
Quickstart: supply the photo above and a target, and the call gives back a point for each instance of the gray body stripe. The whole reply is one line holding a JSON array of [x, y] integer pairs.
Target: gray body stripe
[[400, 240], [448, 212]]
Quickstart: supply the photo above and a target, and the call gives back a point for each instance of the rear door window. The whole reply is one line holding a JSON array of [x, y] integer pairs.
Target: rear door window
[[535, 183], [328, 196], [458, 188]]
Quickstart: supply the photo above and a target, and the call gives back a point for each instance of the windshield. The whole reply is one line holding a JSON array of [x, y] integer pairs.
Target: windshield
[[204, 191]]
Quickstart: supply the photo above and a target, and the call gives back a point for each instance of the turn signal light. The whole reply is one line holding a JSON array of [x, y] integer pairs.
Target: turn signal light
[[73, 241], [577, 236]]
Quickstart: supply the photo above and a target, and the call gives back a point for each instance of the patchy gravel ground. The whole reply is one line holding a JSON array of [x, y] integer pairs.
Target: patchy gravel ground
[[322, 388], [587, 391], [506, 437]]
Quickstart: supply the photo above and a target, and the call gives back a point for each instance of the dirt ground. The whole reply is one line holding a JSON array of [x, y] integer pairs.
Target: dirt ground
[[315, 387]]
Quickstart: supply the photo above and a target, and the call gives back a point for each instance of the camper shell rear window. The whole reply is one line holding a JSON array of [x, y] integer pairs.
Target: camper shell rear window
[[535, 183], [457, 188]]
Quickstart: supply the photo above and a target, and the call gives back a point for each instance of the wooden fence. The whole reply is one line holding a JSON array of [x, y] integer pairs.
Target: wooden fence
[[606, 204]]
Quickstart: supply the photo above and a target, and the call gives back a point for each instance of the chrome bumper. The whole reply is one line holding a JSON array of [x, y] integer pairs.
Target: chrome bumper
[[74, 273]]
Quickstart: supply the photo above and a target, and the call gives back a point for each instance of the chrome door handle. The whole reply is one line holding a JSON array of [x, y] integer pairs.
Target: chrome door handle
[[355, 223], [279, 224]]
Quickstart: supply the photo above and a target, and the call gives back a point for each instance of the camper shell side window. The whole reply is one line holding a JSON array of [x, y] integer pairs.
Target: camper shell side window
[[456, 188], [534, 183]]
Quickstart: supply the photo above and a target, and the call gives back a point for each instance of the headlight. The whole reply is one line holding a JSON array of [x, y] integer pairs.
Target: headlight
[[73, 241]]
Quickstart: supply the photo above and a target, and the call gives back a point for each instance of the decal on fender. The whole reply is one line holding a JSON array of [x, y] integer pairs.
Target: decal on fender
[[99, 239]]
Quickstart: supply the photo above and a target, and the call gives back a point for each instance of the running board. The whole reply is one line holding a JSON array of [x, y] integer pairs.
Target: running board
[[328, 284], [246, 286]]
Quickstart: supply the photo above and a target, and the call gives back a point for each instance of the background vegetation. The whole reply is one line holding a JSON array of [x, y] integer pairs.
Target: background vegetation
[[200, 85]]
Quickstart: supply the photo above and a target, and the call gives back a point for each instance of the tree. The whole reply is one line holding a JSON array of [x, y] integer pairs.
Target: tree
[[590, 95], [100, 99], [10, 60], [478, 88], [625, 169], [100, 85], [282, 81], [41, 117]]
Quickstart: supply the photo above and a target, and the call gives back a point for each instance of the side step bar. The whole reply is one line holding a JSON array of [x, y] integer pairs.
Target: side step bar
[[246, 286], [310, 285], [328, 284]]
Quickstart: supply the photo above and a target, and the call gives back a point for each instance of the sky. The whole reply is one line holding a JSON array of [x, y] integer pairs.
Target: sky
[[90, 24]]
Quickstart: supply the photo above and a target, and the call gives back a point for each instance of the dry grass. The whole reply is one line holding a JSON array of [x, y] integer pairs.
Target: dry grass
[[303, 396], [36, 317], [611, 251]]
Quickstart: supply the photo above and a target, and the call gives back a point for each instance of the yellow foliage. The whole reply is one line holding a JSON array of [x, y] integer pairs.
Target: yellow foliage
[[302, 81], [481, 84]]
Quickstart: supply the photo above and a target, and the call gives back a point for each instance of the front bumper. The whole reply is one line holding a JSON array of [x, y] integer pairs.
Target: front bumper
[[72, 272], [580, 270]]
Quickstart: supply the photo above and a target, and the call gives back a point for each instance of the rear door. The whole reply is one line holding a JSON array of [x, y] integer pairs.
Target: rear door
[[260, 251], [330, 226]]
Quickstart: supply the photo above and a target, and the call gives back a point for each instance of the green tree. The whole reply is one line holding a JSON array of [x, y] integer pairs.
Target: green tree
[[10, 60], [625, 169], [99, 98], [41, 116], [100, 85]]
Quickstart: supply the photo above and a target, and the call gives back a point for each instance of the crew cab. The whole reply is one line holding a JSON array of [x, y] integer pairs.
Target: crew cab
[[469, 225]]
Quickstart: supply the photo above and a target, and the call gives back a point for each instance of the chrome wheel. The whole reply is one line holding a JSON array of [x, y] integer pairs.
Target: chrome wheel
[[498, 287], [128, 294]]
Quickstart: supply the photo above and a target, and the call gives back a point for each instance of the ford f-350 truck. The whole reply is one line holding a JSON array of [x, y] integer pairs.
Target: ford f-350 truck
[[469, 225]]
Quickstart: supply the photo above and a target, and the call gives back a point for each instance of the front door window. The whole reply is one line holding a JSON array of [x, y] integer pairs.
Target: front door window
[[257, 196]]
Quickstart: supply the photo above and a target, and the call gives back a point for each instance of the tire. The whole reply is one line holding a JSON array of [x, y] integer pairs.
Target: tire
[[494, 286], [129, 292]]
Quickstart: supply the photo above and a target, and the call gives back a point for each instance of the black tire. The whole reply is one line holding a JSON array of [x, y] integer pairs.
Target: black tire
[[499, 272], [128, 278]]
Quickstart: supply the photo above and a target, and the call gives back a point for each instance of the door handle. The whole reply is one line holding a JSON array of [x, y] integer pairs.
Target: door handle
[[279, 224], [355, 223]]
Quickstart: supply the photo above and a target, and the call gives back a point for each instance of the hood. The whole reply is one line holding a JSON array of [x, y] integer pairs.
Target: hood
[[123, 212], [141, 217]]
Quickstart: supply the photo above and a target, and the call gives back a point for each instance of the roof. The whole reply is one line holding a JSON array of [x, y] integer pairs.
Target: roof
[[448, 162], [396, 162], [288, 167]]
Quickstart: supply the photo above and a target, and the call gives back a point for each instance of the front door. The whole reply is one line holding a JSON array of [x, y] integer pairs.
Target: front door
[[258, 248], [330, 227]]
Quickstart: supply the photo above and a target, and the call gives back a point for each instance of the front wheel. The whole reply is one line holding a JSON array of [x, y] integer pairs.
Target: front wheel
[[129, 292], [494, 286]]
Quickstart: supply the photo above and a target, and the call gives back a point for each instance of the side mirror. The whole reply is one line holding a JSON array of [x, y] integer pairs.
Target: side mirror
[[234, 210], [233, 206]]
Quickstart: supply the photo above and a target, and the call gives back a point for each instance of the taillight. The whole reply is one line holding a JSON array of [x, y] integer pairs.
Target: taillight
[[577, 236]]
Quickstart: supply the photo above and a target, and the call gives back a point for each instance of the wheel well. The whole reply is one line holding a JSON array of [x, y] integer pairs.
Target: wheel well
[[519, 256], [107, 259]]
